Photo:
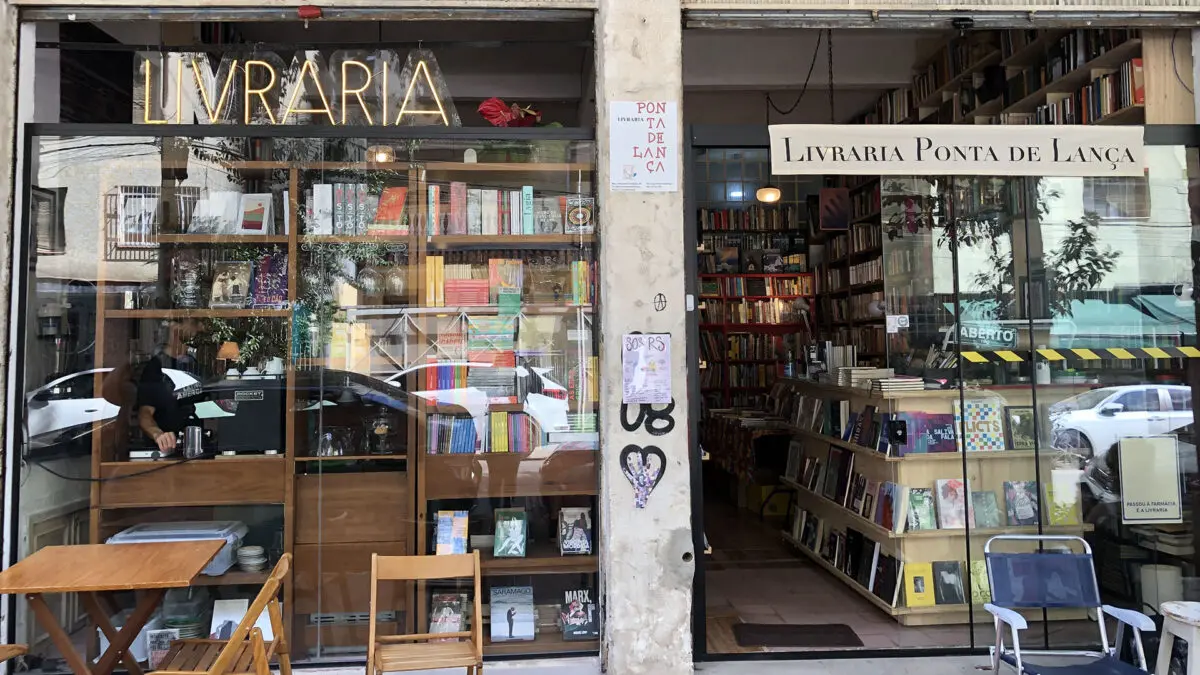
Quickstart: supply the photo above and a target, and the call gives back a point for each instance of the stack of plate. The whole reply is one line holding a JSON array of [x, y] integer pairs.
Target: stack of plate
[[251, 558], [188, 627]]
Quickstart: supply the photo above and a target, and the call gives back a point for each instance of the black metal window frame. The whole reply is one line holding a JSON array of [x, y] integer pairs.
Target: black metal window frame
[[703, 137]]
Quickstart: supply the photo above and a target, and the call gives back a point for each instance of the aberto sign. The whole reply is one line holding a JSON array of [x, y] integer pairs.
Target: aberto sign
[[952, 150]]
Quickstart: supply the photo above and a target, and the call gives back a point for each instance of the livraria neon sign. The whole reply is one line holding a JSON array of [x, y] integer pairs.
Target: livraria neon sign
[[349, 88]]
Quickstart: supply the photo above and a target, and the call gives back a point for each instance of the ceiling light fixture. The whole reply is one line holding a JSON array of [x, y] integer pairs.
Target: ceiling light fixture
[[769, 194]]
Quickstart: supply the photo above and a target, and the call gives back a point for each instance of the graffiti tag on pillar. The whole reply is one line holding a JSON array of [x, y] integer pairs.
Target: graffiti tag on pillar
[[644, 467]]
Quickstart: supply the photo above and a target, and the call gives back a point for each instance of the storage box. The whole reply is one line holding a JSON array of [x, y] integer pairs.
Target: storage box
[[231, 531], [757, 495]]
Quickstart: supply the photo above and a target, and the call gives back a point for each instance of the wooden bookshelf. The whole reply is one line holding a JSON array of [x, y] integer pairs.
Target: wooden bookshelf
[[984, 471], [334, 512]]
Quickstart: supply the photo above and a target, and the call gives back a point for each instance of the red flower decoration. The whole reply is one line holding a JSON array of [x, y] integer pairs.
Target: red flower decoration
[[500, 114], [496, 112]]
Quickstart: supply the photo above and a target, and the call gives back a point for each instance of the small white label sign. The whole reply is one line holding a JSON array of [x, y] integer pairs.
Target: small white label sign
[[643, 146], [1150, 491]]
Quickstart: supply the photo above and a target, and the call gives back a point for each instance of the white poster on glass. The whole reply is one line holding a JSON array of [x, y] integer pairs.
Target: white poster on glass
[[646, 368], [1149, 480], [643, 146]]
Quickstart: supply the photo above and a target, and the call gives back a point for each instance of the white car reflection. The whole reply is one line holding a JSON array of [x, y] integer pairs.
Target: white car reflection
[[66, 408], [1093, 421], [548, 409]]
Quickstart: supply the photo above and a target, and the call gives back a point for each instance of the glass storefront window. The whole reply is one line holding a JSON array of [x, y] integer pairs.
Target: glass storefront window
[[326, 347]]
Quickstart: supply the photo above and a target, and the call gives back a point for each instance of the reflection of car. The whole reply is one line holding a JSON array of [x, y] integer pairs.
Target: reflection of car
[[66, 408], [1093, 421], [1099, 473]]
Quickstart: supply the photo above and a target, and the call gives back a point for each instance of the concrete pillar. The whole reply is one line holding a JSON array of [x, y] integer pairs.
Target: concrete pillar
[[647, 559]]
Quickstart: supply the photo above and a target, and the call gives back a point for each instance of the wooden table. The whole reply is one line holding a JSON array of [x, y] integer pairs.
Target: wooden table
[[103, 568]]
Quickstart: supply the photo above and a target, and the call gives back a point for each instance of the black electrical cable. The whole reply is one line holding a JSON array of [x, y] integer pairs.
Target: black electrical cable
[[803, 90], [1175, 64]]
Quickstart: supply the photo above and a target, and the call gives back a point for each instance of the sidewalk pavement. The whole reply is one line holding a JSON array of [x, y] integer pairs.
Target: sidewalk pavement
[[940, 665]]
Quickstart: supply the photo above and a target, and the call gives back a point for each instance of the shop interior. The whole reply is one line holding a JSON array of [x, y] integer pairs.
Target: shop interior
[[979, 311], [315, 323]]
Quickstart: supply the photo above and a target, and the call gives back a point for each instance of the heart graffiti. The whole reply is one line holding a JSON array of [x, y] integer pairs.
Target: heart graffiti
[[644, 469]]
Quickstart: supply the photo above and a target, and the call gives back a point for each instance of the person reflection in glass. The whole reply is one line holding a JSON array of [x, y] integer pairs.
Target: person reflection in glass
[[160, 414]]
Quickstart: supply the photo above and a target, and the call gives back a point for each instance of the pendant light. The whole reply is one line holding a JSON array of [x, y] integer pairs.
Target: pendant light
[[768, 194]]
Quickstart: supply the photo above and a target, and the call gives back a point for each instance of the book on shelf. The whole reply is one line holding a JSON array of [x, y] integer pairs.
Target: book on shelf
[[447, 613], [269, 285], [891, 509], [870, 499], [755, 218], [921, 510], [889, 579], [575, 531], [794, 460], [450, 435], [580, 215], [918, 584], [986, 509], [391, 214], [511, 533], [833, 469], [257, 215], [928, 433], [1062, 498], [948, 583], [580, 615], [951, 497], [451, 533], [512, 613], [1021, 502], [981, 589], [812, 532]]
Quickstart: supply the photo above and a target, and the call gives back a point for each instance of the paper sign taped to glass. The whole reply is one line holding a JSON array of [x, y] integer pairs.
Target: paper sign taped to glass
[[1149, 480], [646, 368]]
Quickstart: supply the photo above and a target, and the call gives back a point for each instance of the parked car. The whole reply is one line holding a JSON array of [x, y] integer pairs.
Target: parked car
[[1093, 421], [67, 408]]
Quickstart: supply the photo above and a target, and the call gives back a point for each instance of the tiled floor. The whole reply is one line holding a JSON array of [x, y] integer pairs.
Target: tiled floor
[[752, 576]]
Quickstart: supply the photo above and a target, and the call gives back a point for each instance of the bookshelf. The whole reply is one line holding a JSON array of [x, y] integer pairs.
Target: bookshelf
[[852, 279], [831, 526], [1048, 76], [403, 298], [747, 323]]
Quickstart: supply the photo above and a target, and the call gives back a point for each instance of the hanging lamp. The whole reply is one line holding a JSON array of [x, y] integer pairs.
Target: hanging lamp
[[769, 193]]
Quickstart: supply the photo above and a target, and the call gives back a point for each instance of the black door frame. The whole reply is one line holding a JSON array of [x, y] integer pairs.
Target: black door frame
[[700, 137]]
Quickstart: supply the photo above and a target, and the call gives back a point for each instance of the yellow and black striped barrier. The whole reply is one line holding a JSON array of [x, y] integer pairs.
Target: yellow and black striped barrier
[[1081, 355]]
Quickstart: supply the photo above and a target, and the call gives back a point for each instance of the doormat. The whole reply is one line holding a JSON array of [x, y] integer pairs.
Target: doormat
[[795, 635]]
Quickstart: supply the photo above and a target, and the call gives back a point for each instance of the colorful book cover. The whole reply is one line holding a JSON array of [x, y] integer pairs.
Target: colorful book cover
[[986, 509], [951, 499], [580, 215], [547, 216], [1062, 496], [981, 589], [888, 508], [390, 215], [527, 225], [447, 613], [948, 583], [451, 532], [921, 510], [511, 530], [458, 208], [918, 585], [982, 422], [849, 426], [727, 259], [580, 615], [1021, 502], [513, 616]]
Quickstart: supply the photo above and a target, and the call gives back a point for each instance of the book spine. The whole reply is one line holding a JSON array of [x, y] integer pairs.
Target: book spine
[[527, 209], [458, 208], [433, 216], [474, 211], [339, 208]]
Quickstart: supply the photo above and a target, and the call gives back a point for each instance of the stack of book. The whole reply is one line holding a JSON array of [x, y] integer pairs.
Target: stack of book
[[449, 435], [889, 385], [860, 377]]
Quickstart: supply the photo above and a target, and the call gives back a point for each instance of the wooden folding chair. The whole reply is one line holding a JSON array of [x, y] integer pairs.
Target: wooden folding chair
[[245, 652], [396, 653]]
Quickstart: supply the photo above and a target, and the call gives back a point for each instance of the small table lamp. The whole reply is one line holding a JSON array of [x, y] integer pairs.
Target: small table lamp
[[228, 352]]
